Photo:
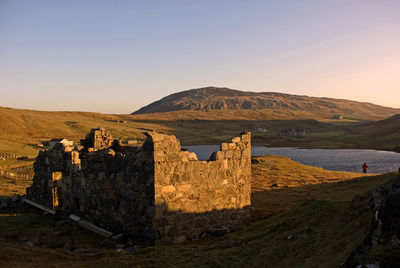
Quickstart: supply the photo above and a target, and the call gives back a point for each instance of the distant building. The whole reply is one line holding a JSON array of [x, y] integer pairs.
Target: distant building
[[300, 132], [339, 117], [262, 129], [131, 141], [66, 142], [118, 121], [294, 132]]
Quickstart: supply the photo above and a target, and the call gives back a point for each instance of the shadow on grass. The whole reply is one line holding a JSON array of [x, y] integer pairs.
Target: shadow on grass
[[320, 227], [269, 203]]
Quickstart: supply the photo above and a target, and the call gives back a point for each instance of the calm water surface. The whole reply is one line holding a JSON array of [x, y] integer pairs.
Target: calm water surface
[[332, 159]]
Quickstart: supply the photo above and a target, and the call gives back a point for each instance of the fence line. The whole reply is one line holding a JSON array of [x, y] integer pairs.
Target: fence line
[[9, 156], [15, 174]]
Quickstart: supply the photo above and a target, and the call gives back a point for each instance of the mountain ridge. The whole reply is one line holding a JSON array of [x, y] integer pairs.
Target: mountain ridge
[[222, 98]]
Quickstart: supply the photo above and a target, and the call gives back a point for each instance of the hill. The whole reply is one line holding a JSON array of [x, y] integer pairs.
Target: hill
[[21, 130], [383, 134], [223, 115], [215, 99]]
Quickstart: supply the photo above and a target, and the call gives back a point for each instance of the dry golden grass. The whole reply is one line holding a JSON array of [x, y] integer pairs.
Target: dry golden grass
[[333, 210], [280, 183], [11, 187], [284, 172], [21, 130], [265, 114]]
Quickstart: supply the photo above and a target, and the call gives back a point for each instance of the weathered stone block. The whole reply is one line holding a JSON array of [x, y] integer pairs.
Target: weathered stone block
[[246, 154], [156, 137], [168, 189], [192, 156], [242, 146], [224, 146], [184, 187], [236, 139], [228, 154], [237, 155], [246, 138], [220, 155]]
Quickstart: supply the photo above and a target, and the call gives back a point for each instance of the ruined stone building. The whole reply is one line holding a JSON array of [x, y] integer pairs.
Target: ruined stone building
[[294, 132], [156, 192]]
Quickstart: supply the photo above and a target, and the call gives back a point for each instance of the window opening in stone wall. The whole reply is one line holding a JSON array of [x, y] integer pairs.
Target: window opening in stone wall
[[56, 178]]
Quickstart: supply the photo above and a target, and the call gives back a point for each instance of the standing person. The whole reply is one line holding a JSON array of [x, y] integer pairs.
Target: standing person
[[365, 168]]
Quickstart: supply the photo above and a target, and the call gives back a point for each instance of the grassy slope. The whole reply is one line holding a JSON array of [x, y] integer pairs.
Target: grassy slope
[[20, 130], [322, 131], [320, 134], [382, 133], [331, 206], [296, 183], [265, 114]]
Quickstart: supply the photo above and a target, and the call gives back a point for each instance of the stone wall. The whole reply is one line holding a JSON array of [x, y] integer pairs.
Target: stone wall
[[116, 191], [157, 192], [98, 138], [193, 197], [110, 185], [48, 188]]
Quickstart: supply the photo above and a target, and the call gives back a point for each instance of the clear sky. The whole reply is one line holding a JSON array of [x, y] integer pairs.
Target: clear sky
[[116, 56]]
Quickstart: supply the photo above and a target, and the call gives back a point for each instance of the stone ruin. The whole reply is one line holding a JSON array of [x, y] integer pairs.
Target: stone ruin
[[158, 192]]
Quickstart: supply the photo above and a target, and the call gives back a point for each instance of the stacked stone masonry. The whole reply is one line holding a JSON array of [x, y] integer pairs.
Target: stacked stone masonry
[[157, 192]]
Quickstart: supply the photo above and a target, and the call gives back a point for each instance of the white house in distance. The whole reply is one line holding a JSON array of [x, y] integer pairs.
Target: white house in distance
[[131, 141], [262, 129], [66, 142]]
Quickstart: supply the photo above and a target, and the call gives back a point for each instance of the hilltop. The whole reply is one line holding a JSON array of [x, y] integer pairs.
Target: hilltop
[[225, 99]]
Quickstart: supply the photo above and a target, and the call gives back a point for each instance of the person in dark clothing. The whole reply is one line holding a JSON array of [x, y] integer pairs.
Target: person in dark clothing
[[365, 168]]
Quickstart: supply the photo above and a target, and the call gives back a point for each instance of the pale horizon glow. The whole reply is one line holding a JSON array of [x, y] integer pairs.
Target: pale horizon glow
[[117, 56]]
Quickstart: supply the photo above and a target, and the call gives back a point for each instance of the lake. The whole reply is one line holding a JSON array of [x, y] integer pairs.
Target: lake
[[332, 159]]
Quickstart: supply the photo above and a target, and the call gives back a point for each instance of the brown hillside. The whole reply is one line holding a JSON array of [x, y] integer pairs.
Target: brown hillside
[[218, 115], [214, 98], [21, 130], [384, 134]]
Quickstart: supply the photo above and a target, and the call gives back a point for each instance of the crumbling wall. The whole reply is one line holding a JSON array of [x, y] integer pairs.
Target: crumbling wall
[[49, 188], [193, 197], [157, 192], [117, 191], [115, 186], [97, 138], [105, 183]]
